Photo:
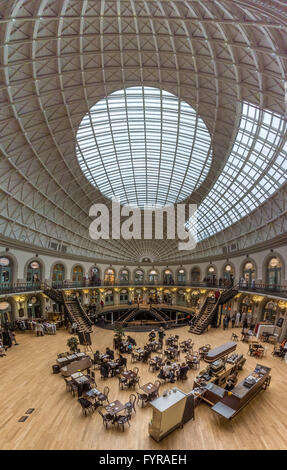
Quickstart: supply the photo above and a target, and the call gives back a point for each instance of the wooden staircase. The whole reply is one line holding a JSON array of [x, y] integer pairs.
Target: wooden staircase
[[209, 310], [76, 313], [72, 307]]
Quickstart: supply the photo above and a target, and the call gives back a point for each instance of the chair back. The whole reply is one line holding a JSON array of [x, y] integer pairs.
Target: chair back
[[136, 370], [106, 391]]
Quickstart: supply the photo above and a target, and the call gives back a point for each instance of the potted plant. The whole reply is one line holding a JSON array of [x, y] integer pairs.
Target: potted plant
[[73, 343], [119, 332]]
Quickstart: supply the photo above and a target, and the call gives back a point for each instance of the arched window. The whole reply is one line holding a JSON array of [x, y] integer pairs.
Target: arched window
[[274, 273], [139, 276], [77, 275], [5, 313], [6, 271], [168, 277], [195, 274], [34, 273], [124, 276], [152, 276], [248, 273], [181, 276], [109, 277], [58, 273]]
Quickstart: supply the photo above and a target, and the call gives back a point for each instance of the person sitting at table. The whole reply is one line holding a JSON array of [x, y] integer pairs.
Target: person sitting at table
[[183, 370], [110, 353], [121, 361], [97, 358], [168, 372], [105, 369]]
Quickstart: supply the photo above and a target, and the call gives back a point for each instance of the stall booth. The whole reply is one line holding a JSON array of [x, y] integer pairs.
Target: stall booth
[[180, 297], [34, 307], [138, 296], [5, 313]]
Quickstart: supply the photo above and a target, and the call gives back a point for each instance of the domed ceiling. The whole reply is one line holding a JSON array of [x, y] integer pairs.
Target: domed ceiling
[[60, 59]]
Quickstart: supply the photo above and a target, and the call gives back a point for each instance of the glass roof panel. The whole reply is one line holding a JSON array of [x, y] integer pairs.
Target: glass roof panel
[[255, 169], [145, 146]]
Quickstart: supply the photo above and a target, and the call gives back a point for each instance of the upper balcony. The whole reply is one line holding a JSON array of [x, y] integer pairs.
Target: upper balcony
[[8, 289]]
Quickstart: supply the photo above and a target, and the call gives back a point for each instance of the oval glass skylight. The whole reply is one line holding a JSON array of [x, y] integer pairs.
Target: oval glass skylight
[[144, 146]]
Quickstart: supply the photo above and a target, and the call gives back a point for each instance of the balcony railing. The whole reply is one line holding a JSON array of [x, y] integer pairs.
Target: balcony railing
[[18, 288]]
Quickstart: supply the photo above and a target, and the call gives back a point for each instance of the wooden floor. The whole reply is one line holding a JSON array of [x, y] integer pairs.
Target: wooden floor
[[57, 422]]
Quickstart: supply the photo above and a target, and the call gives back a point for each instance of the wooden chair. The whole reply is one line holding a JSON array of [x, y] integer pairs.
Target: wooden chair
[[130, 405], [107, 418], [143, 398], [136, 370], [68, 384], [104, 396], [122, 382], [121, 420], [87, 406]]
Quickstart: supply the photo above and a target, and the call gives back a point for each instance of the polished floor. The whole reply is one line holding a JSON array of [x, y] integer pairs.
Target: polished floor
[[57, 422]]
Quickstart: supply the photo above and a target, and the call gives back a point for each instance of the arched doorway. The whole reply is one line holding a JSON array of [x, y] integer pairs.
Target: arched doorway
[[138, 296], [247, 307], [274, 269], [168, 277], [139, 277], [124, 296], [77, 275], [109, 297], [95, 276], [181, 276], [58, 275], [180, 297], [194, 298], [152, 276], [248, 273], [152, 296], [228, 274], [5, 312], [34, 309], [94, 296], [269, 312], [167, 297], [124, 277], [211, 275], [109, 279], [195, 274], [34, 273], [6, 272]]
